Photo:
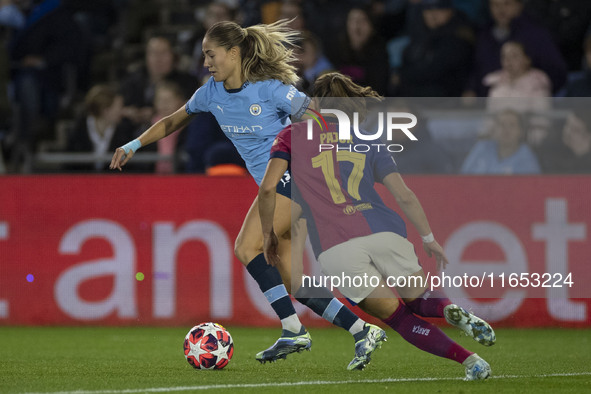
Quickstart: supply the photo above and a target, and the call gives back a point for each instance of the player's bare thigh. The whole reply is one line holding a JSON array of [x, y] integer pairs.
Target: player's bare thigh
[[381, 302], [249, 242]]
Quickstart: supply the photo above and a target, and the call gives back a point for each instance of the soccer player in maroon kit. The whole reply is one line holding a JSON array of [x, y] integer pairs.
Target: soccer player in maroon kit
[[354, 233]]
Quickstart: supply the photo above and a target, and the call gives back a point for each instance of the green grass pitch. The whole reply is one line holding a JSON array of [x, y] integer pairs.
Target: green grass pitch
[[147, 359]]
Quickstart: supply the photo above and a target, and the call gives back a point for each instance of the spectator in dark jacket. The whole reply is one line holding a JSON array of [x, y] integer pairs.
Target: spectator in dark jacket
[[580, 83], [311, 62], [567, 21], [139, 86], [362, 54], [510, 24], [48, 55], [436, 61], [98, 131]]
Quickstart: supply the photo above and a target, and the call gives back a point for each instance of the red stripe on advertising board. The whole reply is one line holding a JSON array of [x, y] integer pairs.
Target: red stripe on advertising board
[[71, 246]]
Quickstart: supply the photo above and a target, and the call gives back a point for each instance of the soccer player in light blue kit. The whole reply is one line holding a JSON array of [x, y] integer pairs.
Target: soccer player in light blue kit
[[250, 94]]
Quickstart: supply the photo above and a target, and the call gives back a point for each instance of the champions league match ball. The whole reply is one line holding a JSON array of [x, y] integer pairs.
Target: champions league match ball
[[208, 346]]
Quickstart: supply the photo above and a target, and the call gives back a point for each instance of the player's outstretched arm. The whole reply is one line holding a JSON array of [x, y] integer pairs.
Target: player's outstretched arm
[[267, 193], [410, 205], [158, 130]]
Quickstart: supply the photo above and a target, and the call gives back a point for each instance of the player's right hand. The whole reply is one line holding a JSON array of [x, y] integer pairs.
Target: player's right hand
[[270, 249], [120, 159], [434, 249]]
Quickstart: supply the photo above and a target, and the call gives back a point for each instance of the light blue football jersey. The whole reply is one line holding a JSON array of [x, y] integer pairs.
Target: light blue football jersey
[[250, 117]]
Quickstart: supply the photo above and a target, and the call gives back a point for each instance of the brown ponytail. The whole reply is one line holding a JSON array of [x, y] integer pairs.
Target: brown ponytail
[[335, 90], [338, 85]]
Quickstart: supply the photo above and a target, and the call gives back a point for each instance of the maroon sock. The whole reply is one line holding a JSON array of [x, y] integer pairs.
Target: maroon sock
[[425, 335], [429, 304]]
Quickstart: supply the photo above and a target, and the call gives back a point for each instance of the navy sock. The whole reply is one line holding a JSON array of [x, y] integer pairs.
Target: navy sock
[[325, 304], [271, 284]]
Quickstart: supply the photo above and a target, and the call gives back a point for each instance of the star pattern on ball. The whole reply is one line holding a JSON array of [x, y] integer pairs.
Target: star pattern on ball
[[222, 351], [196, 349], [208, 346]]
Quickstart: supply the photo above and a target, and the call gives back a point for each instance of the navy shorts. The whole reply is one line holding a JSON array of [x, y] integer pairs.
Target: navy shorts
[[284, 185]]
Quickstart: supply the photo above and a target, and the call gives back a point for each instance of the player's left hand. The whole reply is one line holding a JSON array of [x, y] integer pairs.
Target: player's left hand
[[270, 248], [120, 158], [433, 248]]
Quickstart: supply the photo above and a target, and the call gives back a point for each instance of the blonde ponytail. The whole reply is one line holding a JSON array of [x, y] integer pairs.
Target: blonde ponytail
[[266, 50]]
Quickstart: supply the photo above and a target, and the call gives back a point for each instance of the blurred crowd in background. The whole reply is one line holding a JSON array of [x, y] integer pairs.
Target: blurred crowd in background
[[79, 78]]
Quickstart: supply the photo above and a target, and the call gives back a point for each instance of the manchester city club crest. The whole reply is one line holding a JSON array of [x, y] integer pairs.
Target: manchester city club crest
[[255, 110]]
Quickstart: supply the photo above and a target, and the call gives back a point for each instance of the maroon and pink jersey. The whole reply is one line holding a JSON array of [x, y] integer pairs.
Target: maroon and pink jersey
[[335, 186]]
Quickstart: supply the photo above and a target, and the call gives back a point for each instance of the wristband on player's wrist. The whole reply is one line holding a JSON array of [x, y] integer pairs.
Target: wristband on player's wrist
[[132, 146], [428, 238]]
